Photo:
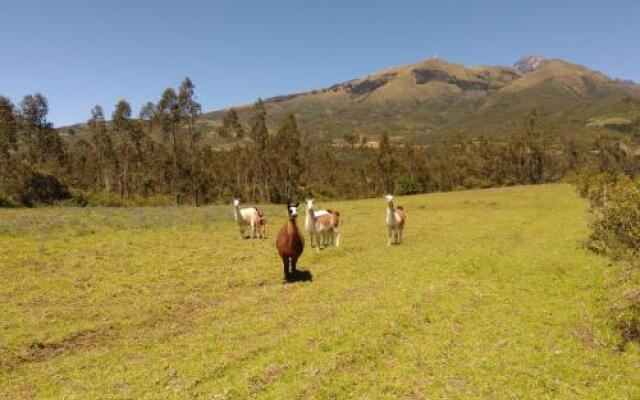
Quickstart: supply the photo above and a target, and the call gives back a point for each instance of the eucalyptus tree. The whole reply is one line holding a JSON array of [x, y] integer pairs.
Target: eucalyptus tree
[[33, 110], [122, 125], [190, 109], [8, 140], [231, 126], [98, 128], [260, 135], [168, 114]]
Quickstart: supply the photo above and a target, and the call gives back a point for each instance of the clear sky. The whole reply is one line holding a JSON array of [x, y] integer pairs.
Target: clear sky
[[79, 53]]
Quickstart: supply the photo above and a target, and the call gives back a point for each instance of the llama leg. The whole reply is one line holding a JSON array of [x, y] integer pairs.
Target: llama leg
[[400, 236], [390, 236], [337, 238], [294, 261], [241, 231], [285, 262]]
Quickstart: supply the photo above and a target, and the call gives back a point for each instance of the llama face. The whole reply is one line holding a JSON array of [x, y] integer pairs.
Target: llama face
[[389, 198], [309, 204], [236, 202], [293, 209]]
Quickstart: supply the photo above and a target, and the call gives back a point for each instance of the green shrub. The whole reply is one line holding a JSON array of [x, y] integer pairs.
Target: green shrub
[[615, 230], [472, 182], [628, 316], [78, 199], [616, 216], [593, 186], [108, 199], [40, 188], [409, 185], [8, 202]]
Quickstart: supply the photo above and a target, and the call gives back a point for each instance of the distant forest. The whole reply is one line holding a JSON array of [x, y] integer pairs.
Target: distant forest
[[160, 157]]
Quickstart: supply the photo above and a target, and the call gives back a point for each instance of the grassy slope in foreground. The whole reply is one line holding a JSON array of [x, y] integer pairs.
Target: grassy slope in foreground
[[492, 296]]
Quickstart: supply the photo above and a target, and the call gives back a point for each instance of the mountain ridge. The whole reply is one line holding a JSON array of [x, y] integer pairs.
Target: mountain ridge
[[435, 98]]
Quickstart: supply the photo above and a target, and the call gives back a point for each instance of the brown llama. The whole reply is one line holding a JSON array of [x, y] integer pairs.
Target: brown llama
[[290, 243], [262, 222], [327, 226]]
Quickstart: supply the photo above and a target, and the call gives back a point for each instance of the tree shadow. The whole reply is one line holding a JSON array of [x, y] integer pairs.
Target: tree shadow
[[300, 276]]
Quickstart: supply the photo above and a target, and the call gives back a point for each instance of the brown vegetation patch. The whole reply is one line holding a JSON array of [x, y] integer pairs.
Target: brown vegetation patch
[[425, 75], [586, 337], [39, 351], [363, 86]]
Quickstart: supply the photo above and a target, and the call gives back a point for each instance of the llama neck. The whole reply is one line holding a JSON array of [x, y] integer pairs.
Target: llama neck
[[390, 210], [292, 228], [311, 217], [238, 214]]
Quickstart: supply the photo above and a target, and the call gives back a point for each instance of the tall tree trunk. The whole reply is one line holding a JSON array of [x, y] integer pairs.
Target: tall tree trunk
[[98, 161], [125, 173], [107, 182], [174, 179], [2, 189]]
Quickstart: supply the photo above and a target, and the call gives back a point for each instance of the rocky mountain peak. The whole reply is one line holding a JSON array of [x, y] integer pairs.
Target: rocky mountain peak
[[529, 64]]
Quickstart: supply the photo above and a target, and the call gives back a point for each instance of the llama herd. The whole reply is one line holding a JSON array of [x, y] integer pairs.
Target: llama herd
[[321, 225]]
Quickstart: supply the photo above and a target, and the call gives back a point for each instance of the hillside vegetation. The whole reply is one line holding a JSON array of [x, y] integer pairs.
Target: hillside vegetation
[[491, 295], [431, 126], [436, 99]]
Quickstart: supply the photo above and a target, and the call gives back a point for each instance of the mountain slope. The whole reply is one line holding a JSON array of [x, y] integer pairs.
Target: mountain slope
[[435, 98]]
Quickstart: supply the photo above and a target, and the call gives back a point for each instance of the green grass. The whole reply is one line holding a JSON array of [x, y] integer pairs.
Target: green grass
[[492, 295]]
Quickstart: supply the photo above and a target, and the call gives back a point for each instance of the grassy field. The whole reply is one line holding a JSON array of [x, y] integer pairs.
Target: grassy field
[[492, 295]]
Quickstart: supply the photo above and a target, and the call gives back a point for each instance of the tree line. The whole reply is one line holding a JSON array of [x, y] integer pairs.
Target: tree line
[[163, 155]]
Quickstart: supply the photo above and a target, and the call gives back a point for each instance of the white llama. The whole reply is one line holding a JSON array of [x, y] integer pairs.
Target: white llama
[[395, 220], [323, 225], [249, 216]]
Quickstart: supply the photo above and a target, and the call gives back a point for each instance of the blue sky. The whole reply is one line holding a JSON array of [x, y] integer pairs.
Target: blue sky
[[80, 53]]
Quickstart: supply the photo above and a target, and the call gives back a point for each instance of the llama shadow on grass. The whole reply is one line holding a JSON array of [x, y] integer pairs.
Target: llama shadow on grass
[[300, 276]]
